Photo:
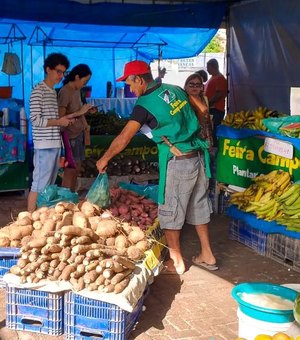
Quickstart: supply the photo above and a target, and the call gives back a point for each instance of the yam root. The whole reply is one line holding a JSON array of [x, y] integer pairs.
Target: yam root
[[124, 262], [120, 276], [106, 228], [65, 274], [120, 286]]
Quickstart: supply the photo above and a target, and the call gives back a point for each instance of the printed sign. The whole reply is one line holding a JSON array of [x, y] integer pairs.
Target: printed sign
[[279, 147], [240, 160]]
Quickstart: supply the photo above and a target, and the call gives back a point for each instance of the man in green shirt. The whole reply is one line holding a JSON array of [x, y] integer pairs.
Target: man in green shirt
[[164, 110]]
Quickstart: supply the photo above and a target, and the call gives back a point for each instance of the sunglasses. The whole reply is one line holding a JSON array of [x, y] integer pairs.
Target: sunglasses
[[195, 85]]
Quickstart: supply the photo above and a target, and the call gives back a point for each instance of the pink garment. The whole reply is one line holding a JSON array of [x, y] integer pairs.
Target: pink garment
[[69, 160]]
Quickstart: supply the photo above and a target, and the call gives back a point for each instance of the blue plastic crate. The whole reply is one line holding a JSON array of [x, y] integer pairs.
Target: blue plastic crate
[[87, 319], [251, 237], [34, 310], [285, 250], [8, 258]]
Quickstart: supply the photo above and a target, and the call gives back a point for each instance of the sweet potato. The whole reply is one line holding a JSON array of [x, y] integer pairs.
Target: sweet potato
[[80, 220], [26, 240], [59, 208], [65, 275], [44, 216], [114, 265], [106, 228], [26, 220], [121, 242], [49, 225], [88, 209], [80, 285], [120, 276], [142, 245], [93, 220], [110, 241], [23, 214], [65, 254], [134, 253], [20, 232], [38, 243], [83, 240], [4, 241], [109, 288], [35, 215], [77, 231], [124, 262], [136, 235], [90, 276], [120, 286], [15, 270]]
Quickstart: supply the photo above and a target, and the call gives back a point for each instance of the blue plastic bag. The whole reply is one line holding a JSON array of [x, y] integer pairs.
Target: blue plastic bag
[[53, 194], [99, 191]]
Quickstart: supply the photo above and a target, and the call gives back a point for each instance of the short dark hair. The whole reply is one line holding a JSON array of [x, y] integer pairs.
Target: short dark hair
[[213, 62], [203, 75], [55, 59], [81, 70]]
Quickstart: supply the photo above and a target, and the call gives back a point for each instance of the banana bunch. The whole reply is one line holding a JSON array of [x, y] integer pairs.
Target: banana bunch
[[290, 207], [261, 196], [249, 119]]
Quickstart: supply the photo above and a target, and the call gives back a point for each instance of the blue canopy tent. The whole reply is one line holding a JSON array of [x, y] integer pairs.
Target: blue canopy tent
[[107, 35]]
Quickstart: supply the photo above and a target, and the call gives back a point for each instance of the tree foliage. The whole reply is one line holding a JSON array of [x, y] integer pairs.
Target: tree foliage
[[215, 45]]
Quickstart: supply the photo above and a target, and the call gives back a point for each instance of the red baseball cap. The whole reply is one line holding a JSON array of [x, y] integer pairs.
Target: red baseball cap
[[135, 68]]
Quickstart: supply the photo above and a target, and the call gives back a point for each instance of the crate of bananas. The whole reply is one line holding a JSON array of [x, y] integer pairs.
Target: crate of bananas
[[272, 197]]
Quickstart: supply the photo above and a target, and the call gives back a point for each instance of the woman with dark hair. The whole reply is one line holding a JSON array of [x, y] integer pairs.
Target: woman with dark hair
[[195, 89], [69, 102]]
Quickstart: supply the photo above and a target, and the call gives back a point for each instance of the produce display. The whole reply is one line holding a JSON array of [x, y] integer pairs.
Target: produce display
[[272, 197], [105, 123], [120, 165], [250, 119], [79, 243], [130, 207], [277, 336]]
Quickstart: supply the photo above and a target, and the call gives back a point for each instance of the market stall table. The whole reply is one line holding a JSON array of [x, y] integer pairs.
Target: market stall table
[[122, 106]]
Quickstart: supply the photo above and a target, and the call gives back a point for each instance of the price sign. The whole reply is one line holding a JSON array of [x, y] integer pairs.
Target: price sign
[[279, 147]]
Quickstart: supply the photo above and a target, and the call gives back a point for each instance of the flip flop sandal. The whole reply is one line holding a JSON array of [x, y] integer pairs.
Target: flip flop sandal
[[205, 265]]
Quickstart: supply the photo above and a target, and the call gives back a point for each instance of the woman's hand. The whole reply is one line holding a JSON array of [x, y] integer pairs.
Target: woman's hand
[[85, 108]]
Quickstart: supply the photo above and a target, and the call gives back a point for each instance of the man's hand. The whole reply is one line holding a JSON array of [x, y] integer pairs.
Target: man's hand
[[101, 165]]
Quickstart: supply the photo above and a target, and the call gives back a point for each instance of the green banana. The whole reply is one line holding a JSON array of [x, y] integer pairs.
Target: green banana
[[287, 193], [292, 199]]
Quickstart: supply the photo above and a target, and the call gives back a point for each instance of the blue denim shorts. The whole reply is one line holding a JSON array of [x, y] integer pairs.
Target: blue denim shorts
[[78, 148], [46, 165], [186, 194]]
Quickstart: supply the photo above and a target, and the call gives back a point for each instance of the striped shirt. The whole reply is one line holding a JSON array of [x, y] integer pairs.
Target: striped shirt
[[43, 106]]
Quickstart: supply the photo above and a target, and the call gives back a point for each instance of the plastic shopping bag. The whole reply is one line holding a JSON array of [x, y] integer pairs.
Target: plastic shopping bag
[[99, 191], [53, 194]]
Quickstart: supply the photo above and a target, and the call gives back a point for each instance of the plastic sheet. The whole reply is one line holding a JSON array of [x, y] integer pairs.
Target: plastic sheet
[[53, 194]]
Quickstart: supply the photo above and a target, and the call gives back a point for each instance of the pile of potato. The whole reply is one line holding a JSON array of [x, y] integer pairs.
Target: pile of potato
[[132, 207], [77, 243]]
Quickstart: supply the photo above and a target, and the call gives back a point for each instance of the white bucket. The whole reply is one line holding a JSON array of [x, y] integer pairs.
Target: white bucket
[[249, 327]]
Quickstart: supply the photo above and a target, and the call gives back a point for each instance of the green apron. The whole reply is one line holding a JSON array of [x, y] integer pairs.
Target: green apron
[[178, 122]]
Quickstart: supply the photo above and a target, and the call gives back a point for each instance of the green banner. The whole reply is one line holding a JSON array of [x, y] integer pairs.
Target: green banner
[[240, 160], [140, 146]]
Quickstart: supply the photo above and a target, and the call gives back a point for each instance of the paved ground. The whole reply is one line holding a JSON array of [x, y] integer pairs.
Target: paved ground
[[194, 306]]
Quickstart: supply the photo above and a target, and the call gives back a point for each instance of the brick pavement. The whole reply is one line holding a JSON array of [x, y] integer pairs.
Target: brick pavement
[[193, 306]]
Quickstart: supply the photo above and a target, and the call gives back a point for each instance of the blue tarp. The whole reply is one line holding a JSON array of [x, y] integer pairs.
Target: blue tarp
[[104, 35], [264, 54]]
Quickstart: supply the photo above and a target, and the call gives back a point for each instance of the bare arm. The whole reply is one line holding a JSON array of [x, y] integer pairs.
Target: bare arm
[[118, 144], [83, 110]]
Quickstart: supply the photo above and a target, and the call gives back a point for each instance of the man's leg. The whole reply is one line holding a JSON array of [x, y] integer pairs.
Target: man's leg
[[205, 254], [176, 263]]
